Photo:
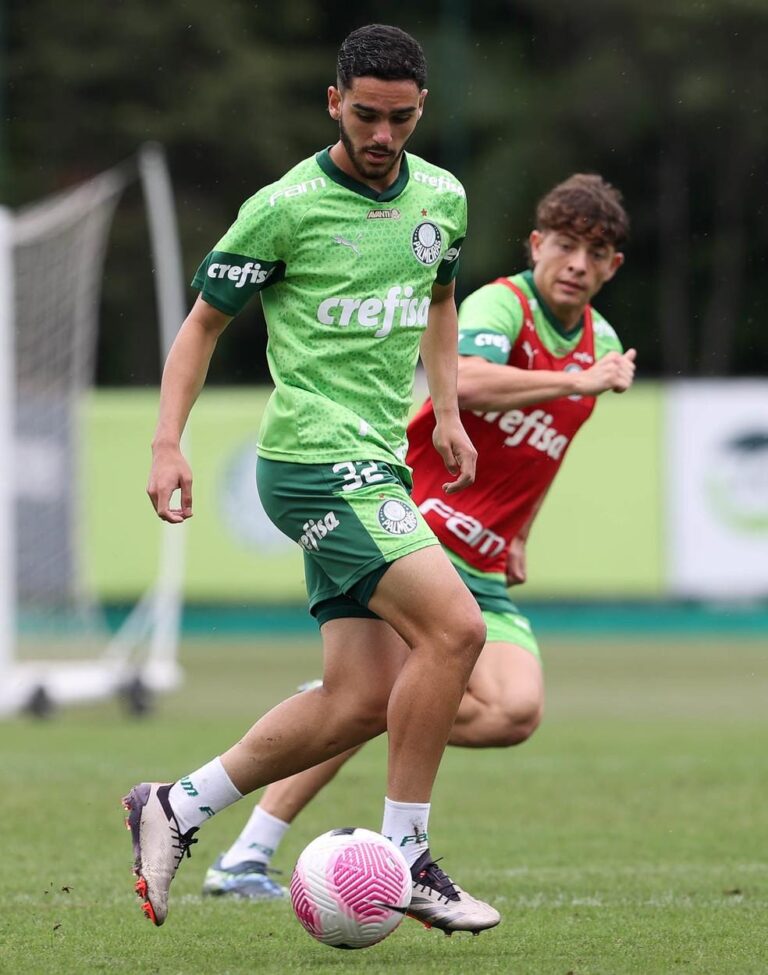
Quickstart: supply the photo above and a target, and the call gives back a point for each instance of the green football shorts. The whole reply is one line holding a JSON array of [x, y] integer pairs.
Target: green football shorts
[[504, 621], [511, 628], [352, 519]]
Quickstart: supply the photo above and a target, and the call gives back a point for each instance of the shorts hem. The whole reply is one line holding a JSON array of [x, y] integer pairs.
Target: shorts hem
[[371, 566], [500, 623], [340, 608], [391, 557]]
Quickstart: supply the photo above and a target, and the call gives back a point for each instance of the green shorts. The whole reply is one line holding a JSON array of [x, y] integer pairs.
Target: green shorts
[[504, 621], [511, 628], [351, 518]]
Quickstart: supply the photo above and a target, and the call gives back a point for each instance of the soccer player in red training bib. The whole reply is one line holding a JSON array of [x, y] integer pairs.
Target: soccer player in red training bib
[[534, 356]]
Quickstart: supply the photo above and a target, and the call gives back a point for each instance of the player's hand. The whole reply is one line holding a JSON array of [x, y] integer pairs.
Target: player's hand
[[516, 569], [614, 371], [170, 472], [458, 452]]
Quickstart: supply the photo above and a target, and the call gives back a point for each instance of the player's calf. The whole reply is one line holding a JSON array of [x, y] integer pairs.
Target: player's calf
[[516, 722], [495, 723]]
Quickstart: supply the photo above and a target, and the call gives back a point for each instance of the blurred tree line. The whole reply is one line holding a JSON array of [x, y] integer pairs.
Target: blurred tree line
[[665, 98]]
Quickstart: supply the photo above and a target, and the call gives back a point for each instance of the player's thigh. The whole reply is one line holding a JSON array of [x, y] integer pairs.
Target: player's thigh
[[351, 518], [424, 599], [362, 659], [508, 673]]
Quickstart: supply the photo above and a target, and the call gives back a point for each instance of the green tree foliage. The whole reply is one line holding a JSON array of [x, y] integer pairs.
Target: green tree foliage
[[666, 98]]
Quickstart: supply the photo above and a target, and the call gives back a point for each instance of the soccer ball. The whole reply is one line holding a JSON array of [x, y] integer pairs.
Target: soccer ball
[[351, 888]]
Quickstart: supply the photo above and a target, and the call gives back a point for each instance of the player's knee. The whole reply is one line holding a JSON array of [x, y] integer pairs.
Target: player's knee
[[467, 635], [361, 711], [452, 640], [369, 714]]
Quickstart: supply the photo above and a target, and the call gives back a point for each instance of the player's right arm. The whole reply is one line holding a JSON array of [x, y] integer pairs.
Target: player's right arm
[[183, 377], [490, 321], [245, 261], [485, 385]]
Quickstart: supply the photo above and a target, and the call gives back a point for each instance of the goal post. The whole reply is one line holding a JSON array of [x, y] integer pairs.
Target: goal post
[[162, 667], [55, 647], [7, 386]]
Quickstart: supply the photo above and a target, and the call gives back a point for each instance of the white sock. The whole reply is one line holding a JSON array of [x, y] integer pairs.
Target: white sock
[[258, 840], [405, 823], [202, 794]]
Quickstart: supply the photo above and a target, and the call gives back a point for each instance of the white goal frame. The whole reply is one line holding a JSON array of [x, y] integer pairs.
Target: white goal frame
[[143, 654]]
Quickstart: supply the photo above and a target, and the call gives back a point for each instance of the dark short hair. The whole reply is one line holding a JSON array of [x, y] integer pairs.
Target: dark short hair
[[380, 51], [585, 204]]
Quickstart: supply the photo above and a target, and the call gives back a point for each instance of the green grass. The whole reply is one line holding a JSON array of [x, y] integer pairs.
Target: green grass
[[628, 836]]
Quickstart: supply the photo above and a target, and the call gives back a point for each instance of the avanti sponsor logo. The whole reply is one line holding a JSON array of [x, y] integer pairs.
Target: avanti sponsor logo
[[391, 214], [316, 531], [465, 527], [398, 307], [532, 428]]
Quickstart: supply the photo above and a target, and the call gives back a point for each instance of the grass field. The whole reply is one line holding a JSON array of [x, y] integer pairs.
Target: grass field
[[630, 835]]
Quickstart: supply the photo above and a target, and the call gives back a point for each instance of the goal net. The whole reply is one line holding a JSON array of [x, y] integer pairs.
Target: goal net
[[55, 646]]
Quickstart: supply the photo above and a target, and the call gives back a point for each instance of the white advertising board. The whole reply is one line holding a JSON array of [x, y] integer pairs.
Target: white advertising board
[[717, 488]]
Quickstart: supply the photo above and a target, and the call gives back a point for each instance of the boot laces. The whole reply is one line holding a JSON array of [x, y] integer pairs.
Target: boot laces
[[433, 876], [182, 843]]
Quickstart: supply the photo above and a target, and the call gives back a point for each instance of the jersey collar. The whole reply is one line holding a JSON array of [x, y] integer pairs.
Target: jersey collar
[[555, 322], [331, 170]]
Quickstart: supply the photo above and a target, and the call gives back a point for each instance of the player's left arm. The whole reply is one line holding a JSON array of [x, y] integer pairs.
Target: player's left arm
[[438, 353]]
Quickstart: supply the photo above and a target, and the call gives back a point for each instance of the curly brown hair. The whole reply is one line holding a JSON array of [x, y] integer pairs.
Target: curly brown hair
[[586, 205]]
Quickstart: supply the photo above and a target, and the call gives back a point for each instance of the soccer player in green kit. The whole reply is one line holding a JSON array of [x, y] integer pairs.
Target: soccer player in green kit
[[534, 355], [354, 252]]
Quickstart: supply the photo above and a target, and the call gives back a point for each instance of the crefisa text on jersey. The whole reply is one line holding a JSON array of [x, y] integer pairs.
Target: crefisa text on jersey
[[533, 428], [240, 274], [400, 303]]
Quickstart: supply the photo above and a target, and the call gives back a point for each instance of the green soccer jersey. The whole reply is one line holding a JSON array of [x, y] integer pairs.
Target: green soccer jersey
[[490, 320], [345, 276]]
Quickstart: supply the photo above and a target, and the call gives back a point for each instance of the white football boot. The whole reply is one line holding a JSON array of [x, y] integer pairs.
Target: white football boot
[[440, 903], [158, 845]]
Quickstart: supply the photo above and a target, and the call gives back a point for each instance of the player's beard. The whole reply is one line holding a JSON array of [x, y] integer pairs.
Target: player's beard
[[359, 163]]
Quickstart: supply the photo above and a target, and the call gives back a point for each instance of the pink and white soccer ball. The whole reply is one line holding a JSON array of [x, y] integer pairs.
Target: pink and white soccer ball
[[351, 887]]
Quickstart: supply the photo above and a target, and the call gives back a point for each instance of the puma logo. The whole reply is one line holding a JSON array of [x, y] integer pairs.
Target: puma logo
[[530, 352], [352, 244]]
